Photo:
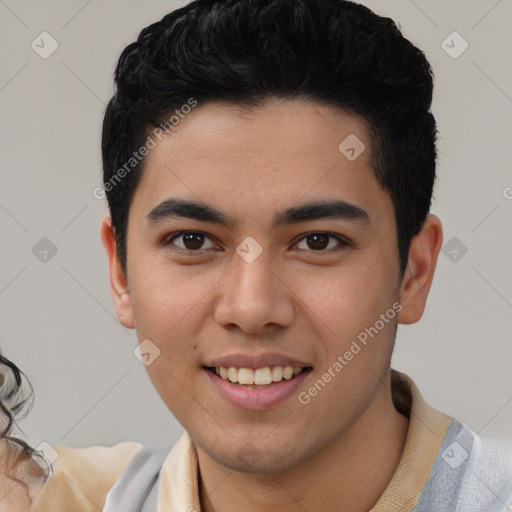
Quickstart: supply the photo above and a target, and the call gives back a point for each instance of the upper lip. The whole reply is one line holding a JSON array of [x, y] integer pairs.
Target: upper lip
[[255, 361]]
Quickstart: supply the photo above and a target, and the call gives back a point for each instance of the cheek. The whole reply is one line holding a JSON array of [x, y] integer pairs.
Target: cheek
[[348, 308], [163, 298], [160, 315], [348, 299], [170, 308], [171, 384]]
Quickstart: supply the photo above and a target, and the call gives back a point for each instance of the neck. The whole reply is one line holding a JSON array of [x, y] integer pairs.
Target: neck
[[352, 473]]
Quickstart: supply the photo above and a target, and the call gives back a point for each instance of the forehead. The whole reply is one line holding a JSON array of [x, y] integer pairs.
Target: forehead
[[291, 128], [276, 154]]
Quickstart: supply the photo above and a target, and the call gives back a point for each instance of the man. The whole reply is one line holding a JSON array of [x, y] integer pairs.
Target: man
[[269, 167]]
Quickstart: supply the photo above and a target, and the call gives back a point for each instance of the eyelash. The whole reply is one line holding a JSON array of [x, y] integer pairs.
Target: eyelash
[[343, 243]]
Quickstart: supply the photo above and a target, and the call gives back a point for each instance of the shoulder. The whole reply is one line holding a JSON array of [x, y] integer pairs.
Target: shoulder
[[470, 473], [489, 480], [82, 477]]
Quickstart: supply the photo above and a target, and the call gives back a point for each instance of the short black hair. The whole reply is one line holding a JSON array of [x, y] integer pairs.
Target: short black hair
[[333, 52]]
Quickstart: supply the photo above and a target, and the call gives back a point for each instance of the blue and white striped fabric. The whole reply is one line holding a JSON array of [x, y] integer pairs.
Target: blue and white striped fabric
[[470, 474]]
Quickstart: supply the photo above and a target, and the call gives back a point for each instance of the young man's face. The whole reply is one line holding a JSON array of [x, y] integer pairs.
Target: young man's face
[[301, 302]]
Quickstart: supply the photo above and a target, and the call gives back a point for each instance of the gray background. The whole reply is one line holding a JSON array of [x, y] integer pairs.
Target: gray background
[[57, 320]]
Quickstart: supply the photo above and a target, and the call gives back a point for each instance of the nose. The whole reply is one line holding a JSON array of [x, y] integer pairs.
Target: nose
[[255, 297]]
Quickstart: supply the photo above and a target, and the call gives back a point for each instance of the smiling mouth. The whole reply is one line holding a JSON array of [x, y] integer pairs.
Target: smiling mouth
[[258, 378]]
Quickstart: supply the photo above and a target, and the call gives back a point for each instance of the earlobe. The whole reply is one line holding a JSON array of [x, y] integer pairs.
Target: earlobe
[[419, 273], [118, 281]]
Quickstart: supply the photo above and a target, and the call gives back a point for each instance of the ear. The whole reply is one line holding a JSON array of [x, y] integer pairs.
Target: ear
[[419, 273], [118, 281]]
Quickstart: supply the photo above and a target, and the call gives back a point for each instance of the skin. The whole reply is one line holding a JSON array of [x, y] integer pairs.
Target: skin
[[345, 444]]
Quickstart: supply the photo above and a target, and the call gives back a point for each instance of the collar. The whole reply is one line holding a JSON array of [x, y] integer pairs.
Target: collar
[[427, 428], [178, 490]]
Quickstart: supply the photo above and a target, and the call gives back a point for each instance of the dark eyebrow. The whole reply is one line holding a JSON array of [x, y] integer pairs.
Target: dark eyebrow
[[330, 209]]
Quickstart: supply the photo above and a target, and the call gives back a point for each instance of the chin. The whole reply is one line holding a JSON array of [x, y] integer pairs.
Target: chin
[[251, 457]]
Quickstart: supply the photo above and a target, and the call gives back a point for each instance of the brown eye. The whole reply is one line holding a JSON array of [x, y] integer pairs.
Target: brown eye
[[193, 241], [318, 242], [190, 241]]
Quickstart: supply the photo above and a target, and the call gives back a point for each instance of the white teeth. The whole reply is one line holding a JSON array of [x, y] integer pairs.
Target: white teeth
[[262, 376], [277, 373], [233, 374], [287, 372], [245, 376], [259, 377]]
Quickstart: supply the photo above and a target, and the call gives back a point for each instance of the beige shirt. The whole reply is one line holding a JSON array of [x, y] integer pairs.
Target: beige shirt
[[83, 476]]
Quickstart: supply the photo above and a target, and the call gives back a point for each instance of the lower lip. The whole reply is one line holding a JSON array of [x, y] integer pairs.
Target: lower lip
[[256, 399]]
